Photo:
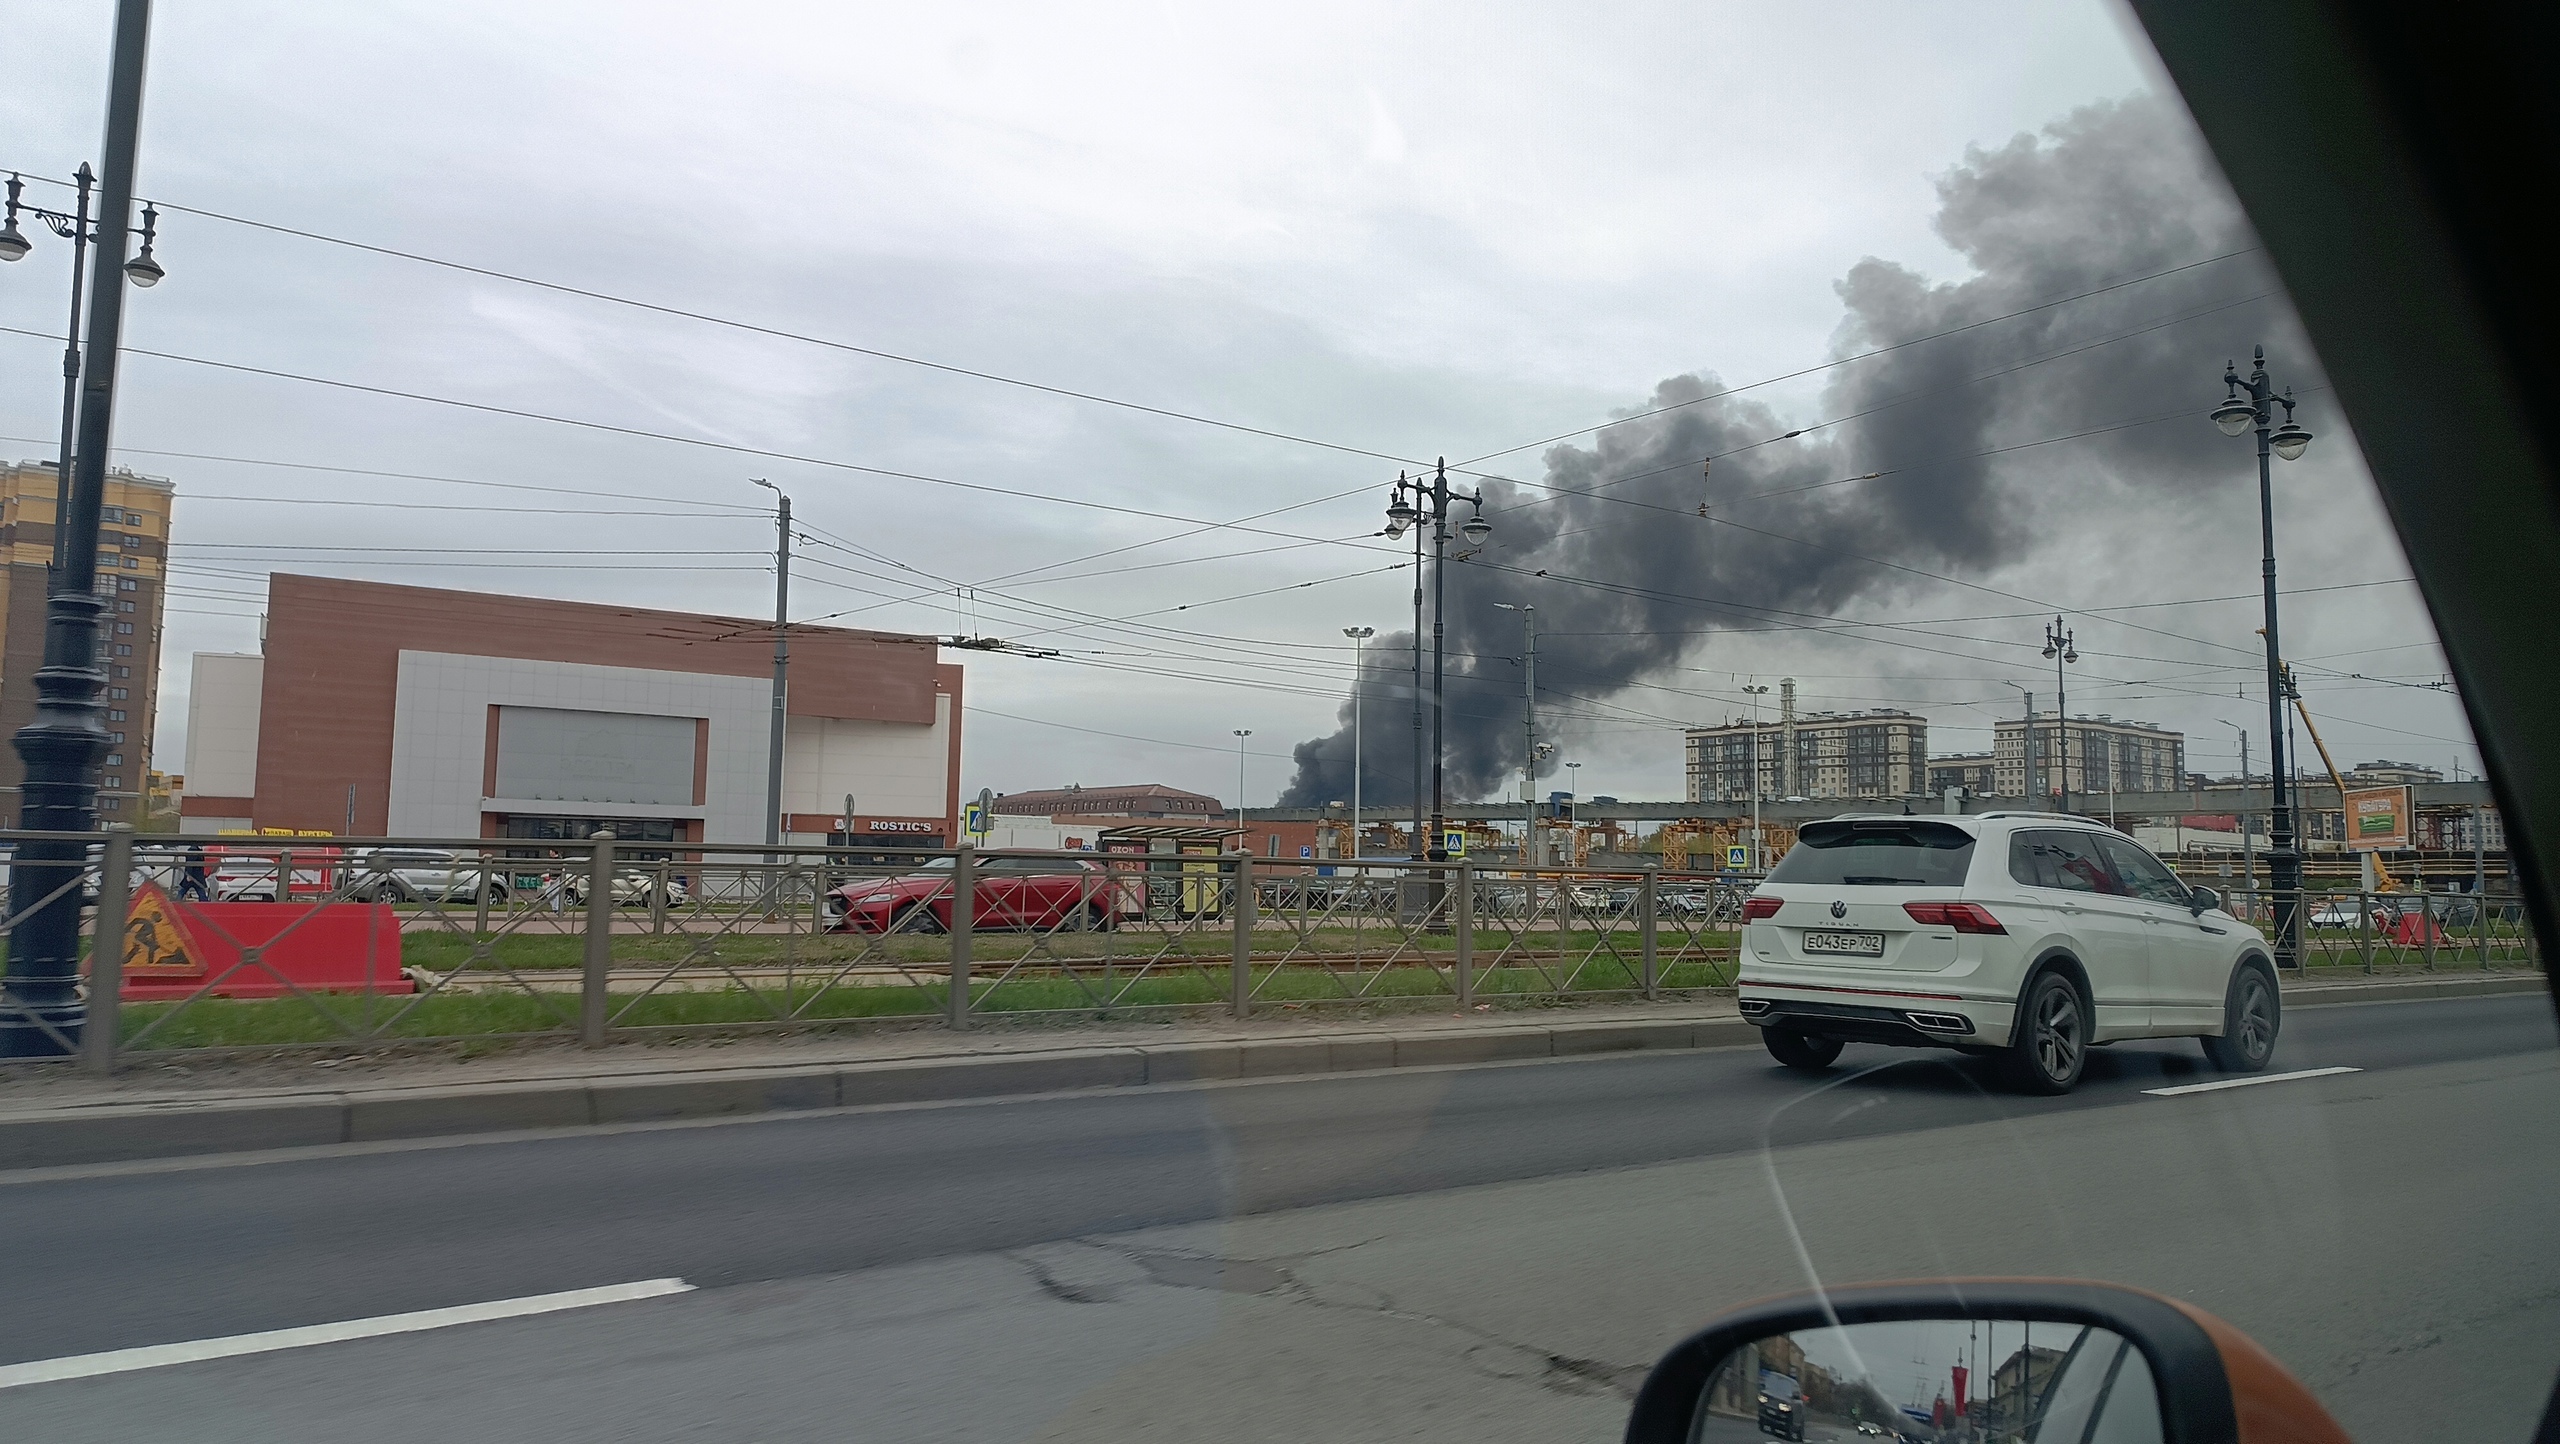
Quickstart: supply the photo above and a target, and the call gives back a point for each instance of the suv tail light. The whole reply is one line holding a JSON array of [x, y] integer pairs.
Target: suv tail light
[[1961, 916], [1754, 909]]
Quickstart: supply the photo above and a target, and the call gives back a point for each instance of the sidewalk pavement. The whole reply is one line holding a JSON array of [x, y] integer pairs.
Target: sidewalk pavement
[[53, 1115]]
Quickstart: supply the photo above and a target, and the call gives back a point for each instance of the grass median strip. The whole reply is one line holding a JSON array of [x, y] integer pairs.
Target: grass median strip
[[512, 1013]]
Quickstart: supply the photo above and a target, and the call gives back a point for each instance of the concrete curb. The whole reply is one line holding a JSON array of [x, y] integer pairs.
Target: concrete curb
[[115, 1132]]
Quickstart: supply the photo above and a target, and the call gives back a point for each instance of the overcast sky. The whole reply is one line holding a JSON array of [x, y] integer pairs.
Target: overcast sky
[[1401, 231]]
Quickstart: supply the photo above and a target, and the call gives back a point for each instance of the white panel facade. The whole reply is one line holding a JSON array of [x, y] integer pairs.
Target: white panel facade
[[893, 769], [222, 724], [583, 756], [440, 738]]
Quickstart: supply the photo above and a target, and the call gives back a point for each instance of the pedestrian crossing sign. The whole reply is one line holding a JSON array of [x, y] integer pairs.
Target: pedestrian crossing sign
[[1737, 857], [1454, 842]]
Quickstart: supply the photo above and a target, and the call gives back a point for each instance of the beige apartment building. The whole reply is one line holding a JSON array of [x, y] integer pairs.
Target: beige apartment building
[[2102, 753], [1825, 755], [133, 560]]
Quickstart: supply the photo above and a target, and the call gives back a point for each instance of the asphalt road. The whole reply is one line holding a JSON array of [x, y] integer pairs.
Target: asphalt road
[[1477, 1253]]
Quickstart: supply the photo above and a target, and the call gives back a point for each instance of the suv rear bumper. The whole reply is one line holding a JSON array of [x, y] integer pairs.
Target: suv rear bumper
[[1934, 1021]]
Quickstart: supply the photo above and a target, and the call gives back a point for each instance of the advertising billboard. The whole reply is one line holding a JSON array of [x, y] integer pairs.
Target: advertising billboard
[[2377, 818]]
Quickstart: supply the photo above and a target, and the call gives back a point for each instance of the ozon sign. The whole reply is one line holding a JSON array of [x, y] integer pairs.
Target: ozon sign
[[881, 825]]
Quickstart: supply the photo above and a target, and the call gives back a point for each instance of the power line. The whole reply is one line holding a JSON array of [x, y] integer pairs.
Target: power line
[[1865, 355], [123, 450], [642, 433]]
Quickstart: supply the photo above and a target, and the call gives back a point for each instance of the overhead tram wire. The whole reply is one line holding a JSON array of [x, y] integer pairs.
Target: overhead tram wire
[[123, 450], [1469, 466], [1862, 355], [1901, 399], [777, 333], [707, 318], [706, 443], [823, 462]]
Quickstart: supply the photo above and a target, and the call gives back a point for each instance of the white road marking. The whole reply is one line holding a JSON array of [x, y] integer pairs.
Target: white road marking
[[2247, 1082], [156, 1356]]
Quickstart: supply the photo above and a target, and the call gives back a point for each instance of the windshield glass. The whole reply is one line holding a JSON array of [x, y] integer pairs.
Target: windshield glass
[[1595, 662]]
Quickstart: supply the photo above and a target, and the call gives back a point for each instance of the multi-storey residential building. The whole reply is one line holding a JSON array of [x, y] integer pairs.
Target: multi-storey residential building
[[2104, 755], [2391, 774], [1975, 772], [1820, 754], [133, 556]]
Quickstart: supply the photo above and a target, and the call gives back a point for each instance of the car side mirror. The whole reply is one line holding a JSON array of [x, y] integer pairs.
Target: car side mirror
[[2203, 900], [1980, 1359]]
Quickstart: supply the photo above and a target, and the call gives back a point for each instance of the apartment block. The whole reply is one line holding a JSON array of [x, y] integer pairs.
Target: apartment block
[[133, 559], [2102, 754], [1882, 753]]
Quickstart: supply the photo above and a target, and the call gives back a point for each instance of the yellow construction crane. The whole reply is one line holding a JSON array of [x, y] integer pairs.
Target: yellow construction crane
[[2381, 872]]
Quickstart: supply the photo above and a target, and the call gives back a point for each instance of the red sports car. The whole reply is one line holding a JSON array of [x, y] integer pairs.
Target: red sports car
[[1010, 892]]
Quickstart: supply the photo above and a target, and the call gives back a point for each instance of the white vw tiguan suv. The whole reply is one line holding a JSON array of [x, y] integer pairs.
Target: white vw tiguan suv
[[2030, 936]]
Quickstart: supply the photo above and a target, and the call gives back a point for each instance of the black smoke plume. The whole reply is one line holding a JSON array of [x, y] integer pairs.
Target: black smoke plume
[[1979, 436]]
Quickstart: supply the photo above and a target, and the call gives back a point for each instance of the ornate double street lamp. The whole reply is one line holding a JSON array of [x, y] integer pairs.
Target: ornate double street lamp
[[2252, 403], [74, 226], [2057, 647]]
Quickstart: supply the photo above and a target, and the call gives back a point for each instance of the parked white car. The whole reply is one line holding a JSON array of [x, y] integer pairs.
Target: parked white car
[[630, 889], [398, 875], [2025, 935]]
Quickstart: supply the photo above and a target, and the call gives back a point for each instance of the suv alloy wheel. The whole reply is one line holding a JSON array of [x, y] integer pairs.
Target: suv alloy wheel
[[2050, 1043]]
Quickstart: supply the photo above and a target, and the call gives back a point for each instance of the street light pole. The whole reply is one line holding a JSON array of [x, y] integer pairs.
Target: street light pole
[[1241, 734], [41, 1014], [1359, 638], [781, 659], [1757, 692], [1529, 723], [2235, 415], [2248, 843], [2057, 645]]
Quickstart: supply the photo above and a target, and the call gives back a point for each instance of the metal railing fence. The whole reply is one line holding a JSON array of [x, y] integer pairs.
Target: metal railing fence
[[2384, 932], [508, 940]]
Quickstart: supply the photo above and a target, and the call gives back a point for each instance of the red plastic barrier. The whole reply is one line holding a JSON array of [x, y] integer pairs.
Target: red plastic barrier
[[2413, 928], [337, 948]]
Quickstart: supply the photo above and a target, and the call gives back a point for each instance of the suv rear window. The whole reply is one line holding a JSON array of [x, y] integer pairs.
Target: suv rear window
[[1893, 852]]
